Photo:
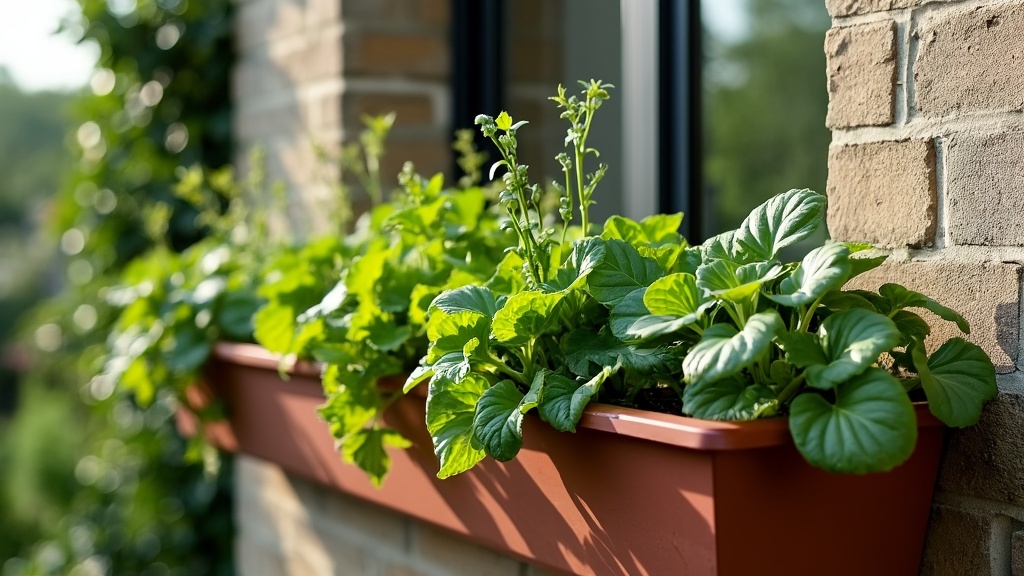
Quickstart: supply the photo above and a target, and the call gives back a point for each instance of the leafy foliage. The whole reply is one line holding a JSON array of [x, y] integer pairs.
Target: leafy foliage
[[737, 333], [359, 304]]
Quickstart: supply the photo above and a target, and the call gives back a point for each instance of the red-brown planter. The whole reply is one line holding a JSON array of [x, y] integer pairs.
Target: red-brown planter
[[631, 492]]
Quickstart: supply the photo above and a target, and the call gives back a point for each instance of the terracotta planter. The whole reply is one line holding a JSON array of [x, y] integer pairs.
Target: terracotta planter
[[631, 493]]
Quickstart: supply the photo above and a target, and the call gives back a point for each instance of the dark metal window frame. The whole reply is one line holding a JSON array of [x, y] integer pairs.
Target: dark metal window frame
[[478, 84]]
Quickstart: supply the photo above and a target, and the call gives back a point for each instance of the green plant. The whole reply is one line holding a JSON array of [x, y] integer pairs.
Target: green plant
[[765, 338], [358, 304], [722, 331]]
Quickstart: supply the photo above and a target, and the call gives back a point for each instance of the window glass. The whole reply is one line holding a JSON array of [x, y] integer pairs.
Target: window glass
[[561, 41], [764, 104]]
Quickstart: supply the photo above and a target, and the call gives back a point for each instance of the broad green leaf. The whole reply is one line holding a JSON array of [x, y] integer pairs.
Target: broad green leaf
[[852, 340], [387, 336], [498, 423], [331, 302], [587, 352], [535, 394], [836, 300], [728, 399], [723, 247], [235, 314], [452, 367], [622, 271], [466, 299], [586, 255], [688, 260], [958, 379], [626, 312], [419, 374], [365, 272], [781, 221], [781, 372], [556, 408], [911, 326], [366, 449], [662, 228], [666, 256], [419, 303], [735, 282], [802, 349], [622, 228], [871, 426], [655, 326], [675, 295], [722, 351], [565, 399], [275, 327], [860, 265], [352, 401], [899, 297], [508, 276], [525, 316], [450, 332], [823, 269], [451, 408]]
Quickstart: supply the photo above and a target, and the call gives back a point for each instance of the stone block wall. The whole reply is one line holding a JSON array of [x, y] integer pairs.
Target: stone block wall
[[309, 70], [288, 526], [927, 160]]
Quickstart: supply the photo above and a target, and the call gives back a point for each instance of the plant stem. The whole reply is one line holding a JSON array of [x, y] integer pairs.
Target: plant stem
[[790, 390], [502, 367]]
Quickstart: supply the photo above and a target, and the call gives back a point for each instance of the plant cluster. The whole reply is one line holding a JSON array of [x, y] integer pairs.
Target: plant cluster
[[728, 328], [370, 326]]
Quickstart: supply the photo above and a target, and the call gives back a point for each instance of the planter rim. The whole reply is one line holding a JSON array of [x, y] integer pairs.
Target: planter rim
[[659, 427]]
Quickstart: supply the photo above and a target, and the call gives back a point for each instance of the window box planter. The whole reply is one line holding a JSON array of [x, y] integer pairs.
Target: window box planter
[[631, 492]]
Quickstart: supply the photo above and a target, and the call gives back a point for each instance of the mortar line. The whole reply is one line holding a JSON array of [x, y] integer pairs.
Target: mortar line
[[942, 239], [1000, 545]]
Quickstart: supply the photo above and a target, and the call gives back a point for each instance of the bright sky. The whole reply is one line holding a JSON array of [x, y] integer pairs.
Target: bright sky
[[40, 60], [35, 57]]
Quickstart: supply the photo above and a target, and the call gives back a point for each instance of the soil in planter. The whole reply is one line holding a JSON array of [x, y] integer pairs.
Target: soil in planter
[[664, 400]]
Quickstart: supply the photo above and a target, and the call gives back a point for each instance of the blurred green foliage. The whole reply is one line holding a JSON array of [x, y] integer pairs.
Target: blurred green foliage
[[92, 482], [764, 109]]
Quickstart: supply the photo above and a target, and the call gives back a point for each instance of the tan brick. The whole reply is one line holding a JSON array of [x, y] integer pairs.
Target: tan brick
[[971, 60], [253, 559], [1017, 554], [409, 109], [410, 55], [986, 294], [861, 75], [349, 516], [320, 57], [883, 193], [985, 189], [460, 557], [321, 113], [958, 543], [404, 570], [432, 13], [262, 124], [852, 7], [984, 460]]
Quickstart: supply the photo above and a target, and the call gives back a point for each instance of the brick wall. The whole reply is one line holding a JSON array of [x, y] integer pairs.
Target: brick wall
[[927, 159], [288, 526], [308, 70]]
